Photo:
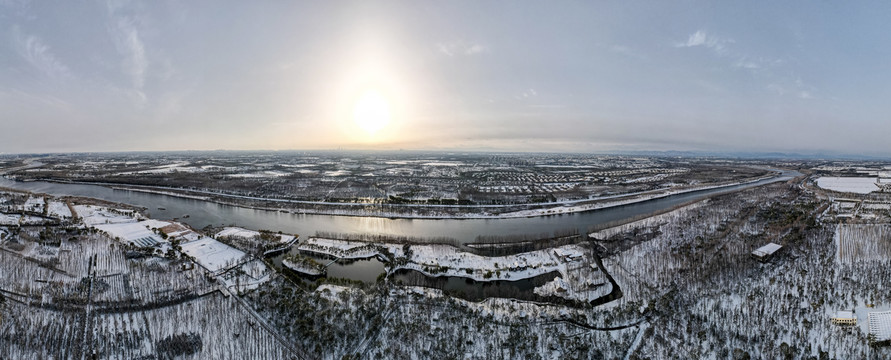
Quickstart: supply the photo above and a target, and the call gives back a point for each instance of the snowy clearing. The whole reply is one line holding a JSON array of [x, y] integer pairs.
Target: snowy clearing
[[59, 209], [95, 215], [857, 185]]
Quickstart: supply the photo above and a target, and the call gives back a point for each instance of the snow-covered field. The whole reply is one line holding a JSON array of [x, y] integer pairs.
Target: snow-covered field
[[9, 219], [34, 204], [95, 215], [15, 219], [263, 174], [857, 185], [58, 209], [213, 255], [136, 233]]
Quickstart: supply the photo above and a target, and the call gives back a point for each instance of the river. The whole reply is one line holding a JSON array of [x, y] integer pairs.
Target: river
[[202, 213]]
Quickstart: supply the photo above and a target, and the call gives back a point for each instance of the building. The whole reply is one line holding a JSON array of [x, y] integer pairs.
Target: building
[[844, 318], [765, 252], [880, 325]]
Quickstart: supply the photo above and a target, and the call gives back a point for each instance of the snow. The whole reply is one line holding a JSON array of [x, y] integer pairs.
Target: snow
[[301, 268], [212, 255], [876, 206], [34, 204], [253, 274], [857, 185], [177, 230], [9, 219], [331, 292], [339, 248], [59, 209], [443, 163], [135, 233], [237, 232], [248, 234], [880, 325], [94, 215], [263, 174], [766, 250], [446, 260]]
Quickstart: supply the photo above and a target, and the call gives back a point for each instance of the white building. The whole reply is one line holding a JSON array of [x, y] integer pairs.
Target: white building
[[880, 325], [764, 252]]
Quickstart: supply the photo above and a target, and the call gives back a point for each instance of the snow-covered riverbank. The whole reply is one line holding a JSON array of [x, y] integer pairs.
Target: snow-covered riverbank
[[431, 211]]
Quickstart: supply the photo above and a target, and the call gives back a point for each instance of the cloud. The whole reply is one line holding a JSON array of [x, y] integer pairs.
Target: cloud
[[701, 38], [39, 55], [126, 39], [460, 47], [124, 33]]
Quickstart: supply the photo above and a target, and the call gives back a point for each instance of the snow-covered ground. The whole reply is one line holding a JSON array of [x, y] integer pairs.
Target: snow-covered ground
[[58, 209], [302, 268], [857, 185], [339, 248], [34, 204], [248, 234], [446, 260], [263, 174], [9, 219], [213, 255], [15, 219], [252, 275], [95, 215], [331, 292]]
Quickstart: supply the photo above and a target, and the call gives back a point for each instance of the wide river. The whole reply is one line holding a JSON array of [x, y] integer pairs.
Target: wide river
[[202, 213]]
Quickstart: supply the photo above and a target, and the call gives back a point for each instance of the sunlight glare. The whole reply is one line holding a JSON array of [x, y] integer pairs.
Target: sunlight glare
[[372, 112]]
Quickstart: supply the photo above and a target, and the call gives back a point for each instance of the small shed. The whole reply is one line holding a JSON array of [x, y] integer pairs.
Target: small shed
[[765, 252]]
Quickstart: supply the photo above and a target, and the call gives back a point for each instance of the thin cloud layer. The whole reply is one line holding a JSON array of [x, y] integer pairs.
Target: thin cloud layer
[[150, 75]]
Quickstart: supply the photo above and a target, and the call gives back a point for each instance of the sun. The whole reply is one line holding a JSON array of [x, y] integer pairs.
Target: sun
[[372, 112]]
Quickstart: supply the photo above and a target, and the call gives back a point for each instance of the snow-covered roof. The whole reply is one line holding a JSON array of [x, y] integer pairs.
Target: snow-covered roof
[[845, 315], [766, 250], [880, 325]]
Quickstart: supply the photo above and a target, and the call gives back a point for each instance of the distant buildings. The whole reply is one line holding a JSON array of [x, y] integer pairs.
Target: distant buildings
[[765, 252], [568, 255]]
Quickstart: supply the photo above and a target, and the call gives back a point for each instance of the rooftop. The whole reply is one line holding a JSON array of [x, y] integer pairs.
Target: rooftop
[[766, 250]]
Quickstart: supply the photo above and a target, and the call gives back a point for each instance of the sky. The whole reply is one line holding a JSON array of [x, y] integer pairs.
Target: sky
[[574, 76]]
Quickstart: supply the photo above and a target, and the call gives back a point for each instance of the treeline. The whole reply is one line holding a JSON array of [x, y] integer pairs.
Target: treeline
[[393, 239], [503, 245]]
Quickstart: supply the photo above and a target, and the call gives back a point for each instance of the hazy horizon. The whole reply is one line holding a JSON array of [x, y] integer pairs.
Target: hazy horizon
[[120, 76]]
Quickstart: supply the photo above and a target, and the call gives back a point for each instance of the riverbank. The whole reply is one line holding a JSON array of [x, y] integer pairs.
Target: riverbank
[[427, 212]]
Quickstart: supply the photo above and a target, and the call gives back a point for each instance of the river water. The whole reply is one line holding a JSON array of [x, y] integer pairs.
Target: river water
[[202, 213]]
